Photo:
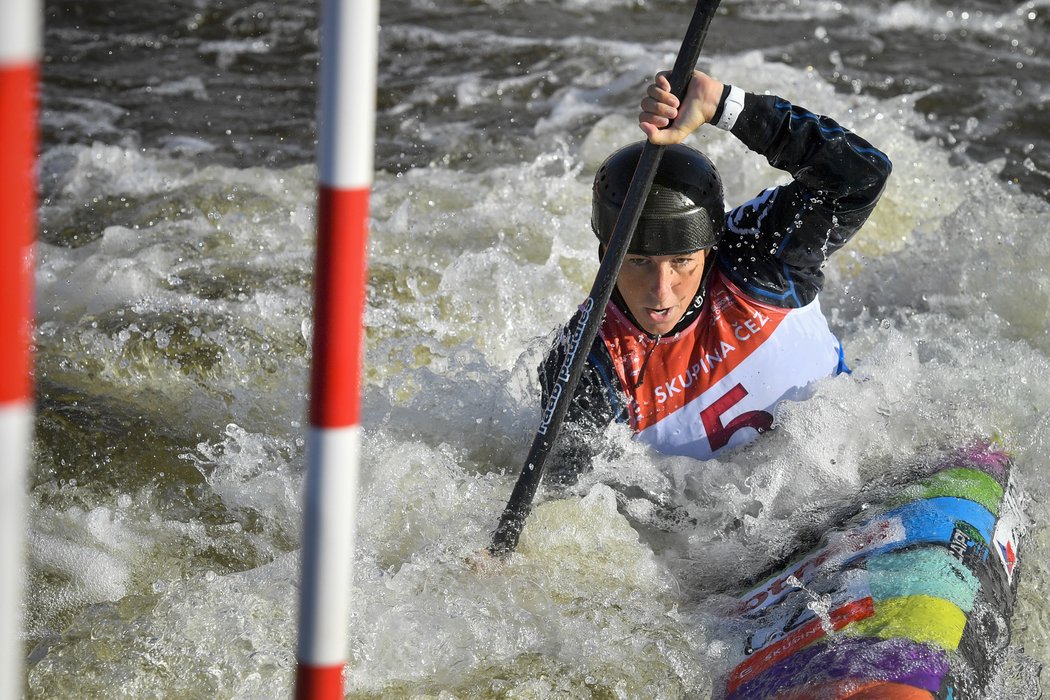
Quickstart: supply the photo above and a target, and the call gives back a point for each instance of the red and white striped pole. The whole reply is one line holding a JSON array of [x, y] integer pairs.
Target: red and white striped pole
[[19, 71], [345, 160]]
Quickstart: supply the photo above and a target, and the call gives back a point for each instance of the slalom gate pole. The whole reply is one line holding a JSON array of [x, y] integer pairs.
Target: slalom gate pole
[[19, 73], [585, 330], [346, 142]]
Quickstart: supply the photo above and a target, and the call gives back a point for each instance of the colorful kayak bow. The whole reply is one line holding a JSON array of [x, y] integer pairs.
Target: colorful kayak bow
[[913, 601]]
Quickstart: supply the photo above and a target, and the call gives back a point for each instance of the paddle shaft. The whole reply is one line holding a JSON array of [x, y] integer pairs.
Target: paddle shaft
[[586, 323]]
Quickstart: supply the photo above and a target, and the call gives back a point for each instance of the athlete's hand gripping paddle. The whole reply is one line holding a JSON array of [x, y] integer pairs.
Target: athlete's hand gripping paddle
[[585, 328]]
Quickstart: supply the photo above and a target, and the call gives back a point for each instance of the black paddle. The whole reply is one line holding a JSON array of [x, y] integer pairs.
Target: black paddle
[[585, 328]]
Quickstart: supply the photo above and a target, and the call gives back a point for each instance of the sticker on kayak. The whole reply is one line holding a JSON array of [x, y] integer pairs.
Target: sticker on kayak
[[935, 520], [805, 616], [1009, 530]]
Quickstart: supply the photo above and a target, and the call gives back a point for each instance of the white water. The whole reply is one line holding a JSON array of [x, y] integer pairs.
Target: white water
[[173, 355]]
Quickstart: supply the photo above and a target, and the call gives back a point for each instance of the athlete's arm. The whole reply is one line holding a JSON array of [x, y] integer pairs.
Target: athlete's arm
[[776, 244], [598, 401]]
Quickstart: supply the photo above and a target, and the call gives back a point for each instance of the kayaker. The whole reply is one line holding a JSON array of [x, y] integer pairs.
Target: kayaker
[[715, 317]]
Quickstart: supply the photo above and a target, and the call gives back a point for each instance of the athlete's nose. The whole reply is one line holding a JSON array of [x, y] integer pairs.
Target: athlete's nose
[[663, 280]]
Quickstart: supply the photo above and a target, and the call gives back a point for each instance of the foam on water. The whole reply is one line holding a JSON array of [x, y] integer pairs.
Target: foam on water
[[910, 15], [174, 303], [188, 282]]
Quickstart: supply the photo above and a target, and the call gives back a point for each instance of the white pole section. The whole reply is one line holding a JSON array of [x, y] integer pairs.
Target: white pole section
[[19, 70], [349, 46]]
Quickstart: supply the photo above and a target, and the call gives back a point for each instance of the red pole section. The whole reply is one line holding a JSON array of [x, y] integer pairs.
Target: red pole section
[[345, 162], [19, 68]]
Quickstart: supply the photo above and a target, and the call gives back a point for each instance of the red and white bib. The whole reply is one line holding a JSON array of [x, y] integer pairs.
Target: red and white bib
[[715, 384]]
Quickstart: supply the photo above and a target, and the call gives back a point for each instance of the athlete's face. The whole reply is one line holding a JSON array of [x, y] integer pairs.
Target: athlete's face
[[659, 288]]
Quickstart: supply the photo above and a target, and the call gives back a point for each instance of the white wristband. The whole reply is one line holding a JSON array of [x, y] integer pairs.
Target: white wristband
[[733, 107]]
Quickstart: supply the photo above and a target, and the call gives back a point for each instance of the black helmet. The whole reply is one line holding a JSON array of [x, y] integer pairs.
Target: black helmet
[[684, 211]]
